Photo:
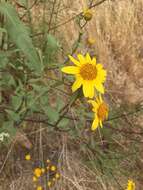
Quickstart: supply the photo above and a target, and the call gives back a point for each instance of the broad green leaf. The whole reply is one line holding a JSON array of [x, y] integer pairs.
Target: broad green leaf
[[51, 48], [16, 102], [52, 43], [51, 113], [60, 104], [18, 33], [64, 123], [12, 115]]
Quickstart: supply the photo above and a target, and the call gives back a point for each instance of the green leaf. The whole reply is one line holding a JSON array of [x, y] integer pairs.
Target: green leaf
[[18, 33], [16, 102], [60, 104], [52, 43], [23, 2], [52, 46], [63, 123], [3, 60], [12, 115], [51, 113]]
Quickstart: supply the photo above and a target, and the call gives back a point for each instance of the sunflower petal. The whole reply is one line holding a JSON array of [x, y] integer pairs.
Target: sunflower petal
[[95, 124], [81, 58], [74, 60], [100, 122], [101, 73], [77, 84], [94, 104], [93, 61], [88, 89], [99, 66], [70, 70], [99, 87], [100, 98], [88, 58]]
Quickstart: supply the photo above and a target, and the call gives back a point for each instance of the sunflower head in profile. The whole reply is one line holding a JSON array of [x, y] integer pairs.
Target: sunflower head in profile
[[100, 109], [131, 185], [88, 74]]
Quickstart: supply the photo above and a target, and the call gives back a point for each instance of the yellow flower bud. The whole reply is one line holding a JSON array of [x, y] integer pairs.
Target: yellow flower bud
[[49, 183], [43, 170], [39, 188], [34, 179], [57, 175], [54, 179], [87, 14], [48, 161], [53, 168], [27, 157], [90, 41], [37, 172]]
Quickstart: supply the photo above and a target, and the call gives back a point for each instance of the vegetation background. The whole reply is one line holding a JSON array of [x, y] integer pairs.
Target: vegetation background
[[37, 107]]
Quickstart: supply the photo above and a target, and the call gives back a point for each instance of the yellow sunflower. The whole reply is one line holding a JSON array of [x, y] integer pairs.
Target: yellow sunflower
[[88, 74], [101, 112], [131, 185]]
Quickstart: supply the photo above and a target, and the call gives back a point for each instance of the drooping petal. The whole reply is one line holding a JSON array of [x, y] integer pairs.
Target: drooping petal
[[74, 60], [107, 114], [77, 84], [81, 58], [100, 98], [70, 70], [88, 89], [95, 123], [88, 58], [94, 104], [100, 122], [99, 87]]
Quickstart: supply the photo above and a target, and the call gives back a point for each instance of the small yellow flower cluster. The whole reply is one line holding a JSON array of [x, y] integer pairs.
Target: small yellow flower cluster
[[39, 172]]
